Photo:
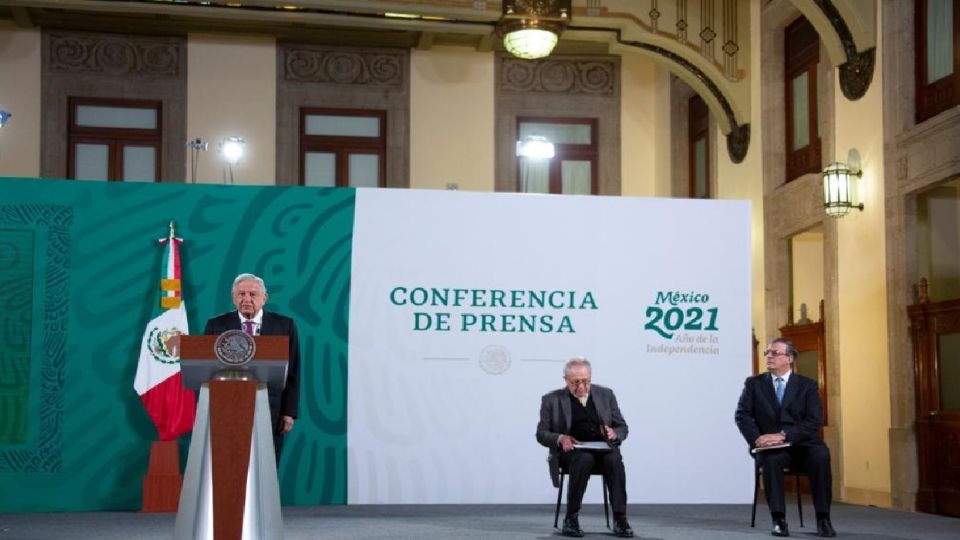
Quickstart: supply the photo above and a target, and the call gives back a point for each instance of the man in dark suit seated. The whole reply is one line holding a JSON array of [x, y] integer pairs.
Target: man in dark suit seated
[[781, 407], [582, 412], [249, 294]]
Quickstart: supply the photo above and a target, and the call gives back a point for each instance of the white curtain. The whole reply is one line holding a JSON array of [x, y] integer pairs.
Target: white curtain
[[801, 112], [534, 175], [939, 39], [575, 177]]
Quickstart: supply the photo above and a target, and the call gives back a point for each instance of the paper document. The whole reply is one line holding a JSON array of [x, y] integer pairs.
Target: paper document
[[592, 445], [771, 447]]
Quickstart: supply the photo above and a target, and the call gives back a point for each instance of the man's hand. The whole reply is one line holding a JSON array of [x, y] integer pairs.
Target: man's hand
[[770, 439], [611, 434], [287, 423], [567, 442]]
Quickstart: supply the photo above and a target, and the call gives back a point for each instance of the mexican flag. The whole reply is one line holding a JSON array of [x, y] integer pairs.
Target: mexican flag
[[171, 406]]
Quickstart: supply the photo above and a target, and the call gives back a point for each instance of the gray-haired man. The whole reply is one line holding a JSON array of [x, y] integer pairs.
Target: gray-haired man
[[583, 413], [249, 295]]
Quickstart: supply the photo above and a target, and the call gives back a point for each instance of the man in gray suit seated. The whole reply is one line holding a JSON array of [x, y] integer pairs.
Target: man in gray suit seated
[[585, 413]]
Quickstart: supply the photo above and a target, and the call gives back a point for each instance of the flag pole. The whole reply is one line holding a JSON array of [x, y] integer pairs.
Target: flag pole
[[163, 481]]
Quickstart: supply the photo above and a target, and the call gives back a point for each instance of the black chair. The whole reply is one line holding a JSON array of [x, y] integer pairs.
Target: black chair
[[558, 473], [758, 477]]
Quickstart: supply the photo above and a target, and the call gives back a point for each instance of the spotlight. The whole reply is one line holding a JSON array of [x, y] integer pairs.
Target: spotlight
[[535, 147], [196, 146], [231, 149]]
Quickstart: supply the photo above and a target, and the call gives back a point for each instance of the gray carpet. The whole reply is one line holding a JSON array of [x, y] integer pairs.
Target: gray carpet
[[650, 522]]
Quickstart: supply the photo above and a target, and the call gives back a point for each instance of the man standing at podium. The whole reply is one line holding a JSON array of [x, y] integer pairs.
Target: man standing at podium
[[249, 294]]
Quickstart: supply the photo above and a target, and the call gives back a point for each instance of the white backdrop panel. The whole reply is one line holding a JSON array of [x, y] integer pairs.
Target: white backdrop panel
[[448, 414]]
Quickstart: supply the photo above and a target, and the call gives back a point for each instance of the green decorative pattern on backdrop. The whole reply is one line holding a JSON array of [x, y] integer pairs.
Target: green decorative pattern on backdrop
[[48, 227], [16, 321], [297, 239]]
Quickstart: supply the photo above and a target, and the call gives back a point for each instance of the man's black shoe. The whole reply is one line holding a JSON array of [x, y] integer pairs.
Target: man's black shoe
[[621, 528], [780, 527], [825, 528], [571, 526]]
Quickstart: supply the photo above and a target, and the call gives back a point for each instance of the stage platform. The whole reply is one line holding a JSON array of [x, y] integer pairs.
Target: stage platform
[[533, 522]]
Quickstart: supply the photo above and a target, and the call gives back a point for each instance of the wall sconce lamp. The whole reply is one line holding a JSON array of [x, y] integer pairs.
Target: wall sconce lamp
[[535, 147], [232, 150], [531, 28], [4, 118], [838, 188]]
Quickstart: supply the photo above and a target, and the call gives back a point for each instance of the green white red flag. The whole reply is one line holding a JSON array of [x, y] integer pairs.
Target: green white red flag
[[158, 382]]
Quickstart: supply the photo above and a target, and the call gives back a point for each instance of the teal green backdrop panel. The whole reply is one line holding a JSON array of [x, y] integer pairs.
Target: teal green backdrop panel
[[79, 279]]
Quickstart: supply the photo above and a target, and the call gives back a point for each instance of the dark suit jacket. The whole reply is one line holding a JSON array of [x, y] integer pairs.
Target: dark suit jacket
[[555, 418], [272, 324], [799, 417]]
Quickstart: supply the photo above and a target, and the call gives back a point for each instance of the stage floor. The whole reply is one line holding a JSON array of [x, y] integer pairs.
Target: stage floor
[[666, 522]]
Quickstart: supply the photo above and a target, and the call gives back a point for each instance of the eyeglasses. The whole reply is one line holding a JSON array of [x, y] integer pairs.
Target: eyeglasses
[[578, 382], [771, 352]]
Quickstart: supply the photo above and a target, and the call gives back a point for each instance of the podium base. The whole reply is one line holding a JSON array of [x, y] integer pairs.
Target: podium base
[[261, 517]]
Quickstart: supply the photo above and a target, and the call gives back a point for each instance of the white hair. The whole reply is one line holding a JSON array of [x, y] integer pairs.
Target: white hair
[[248, 277], [575, 362]]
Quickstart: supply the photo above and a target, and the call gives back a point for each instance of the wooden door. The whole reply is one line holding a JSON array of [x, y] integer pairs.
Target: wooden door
[[935, 328], [810, 340]]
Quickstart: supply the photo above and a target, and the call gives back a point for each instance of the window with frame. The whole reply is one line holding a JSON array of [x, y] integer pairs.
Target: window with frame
[[698, 148], [114, 139], [573, 168], [342, 147], [938, 57], [801, 59]]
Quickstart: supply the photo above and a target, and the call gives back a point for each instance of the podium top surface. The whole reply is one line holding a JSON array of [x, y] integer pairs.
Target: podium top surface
[[198, 362], [201, 348]]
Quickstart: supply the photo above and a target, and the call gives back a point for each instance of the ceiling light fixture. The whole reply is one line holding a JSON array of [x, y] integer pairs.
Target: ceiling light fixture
[[531, 28]]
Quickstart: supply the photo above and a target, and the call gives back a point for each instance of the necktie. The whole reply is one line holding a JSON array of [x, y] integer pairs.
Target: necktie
[[779, 389], [249, 328], [583, 400]]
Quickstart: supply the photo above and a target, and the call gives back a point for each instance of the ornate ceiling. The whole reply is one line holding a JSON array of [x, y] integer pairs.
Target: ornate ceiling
[[707, 43]]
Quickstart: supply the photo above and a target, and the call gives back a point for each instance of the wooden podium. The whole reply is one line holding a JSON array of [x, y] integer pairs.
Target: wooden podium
[[230, 488]]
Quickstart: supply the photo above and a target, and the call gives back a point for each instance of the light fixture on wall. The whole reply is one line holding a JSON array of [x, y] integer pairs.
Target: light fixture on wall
[[531, 28], [838, 186], [232, 150], [196, 146], [535, 147], [4, 118]]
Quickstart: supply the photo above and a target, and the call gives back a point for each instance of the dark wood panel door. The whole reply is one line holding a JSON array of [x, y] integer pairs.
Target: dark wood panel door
[[810, 340], [935, 328]]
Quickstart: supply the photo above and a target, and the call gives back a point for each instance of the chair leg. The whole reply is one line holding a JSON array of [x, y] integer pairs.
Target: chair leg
[[799, 502], [556, 514], [756, 488], [606, 508]]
